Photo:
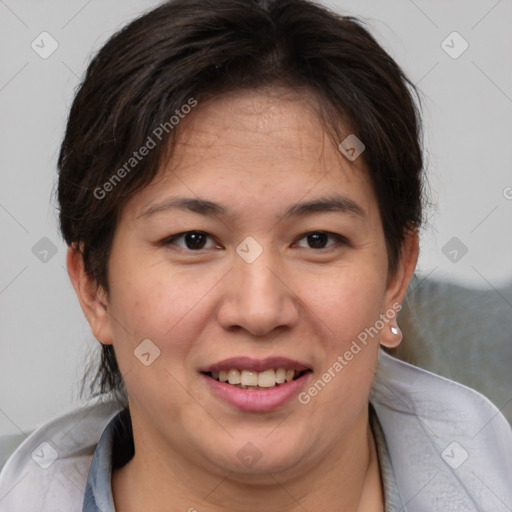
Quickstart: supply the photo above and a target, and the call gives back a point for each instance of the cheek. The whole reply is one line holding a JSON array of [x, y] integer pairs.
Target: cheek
[[168, 308], [343, 381], [355, 338], [161, 304], [346, 301]]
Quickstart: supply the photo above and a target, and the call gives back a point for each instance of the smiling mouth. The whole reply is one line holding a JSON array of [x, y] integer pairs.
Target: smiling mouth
[[252, 380]]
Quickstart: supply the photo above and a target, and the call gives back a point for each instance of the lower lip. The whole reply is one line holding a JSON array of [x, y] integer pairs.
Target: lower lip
[[258, 400]]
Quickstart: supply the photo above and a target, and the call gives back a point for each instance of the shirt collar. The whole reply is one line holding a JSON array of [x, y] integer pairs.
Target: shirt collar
[[114, 449], [392, 499]]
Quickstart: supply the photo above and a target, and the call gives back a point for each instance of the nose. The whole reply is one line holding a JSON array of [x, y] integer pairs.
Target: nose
[[257, 297]]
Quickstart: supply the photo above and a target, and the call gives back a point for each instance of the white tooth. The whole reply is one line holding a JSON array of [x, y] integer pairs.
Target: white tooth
[[280, 375], [215, 375], [248, 378], [223, 376], [289, 375], [267, 379], [234, 376]]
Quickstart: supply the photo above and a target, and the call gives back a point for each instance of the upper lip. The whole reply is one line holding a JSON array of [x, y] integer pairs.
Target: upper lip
[[255, 365]]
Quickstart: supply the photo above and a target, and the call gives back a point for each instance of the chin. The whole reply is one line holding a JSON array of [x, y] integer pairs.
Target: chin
[[247, 460]]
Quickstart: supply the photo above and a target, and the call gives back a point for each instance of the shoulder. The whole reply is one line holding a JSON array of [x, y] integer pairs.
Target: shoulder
[[48, 471], [449, 445]]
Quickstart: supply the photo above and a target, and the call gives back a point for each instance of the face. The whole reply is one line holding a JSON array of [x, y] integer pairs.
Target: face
[[258, 249]]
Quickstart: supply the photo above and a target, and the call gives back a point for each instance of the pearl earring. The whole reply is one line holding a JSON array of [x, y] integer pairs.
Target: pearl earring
[[396, 332]]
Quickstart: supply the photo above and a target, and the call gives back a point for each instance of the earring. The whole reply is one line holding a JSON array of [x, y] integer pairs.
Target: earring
[[397, 334], [393, 337]]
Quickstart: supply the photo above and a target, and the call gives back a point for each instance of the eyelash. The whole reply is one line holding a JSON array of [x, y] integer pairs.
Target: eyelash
[[339, 239]]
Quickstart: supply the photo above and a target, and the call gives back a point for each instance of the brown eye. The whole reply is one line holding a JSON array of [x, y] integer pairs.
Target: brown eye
[[320, 239], [190, 240]]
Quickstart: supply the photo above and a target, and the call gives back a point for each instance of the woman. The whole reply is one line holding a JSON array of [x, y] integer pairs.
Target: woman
[[240, 189]]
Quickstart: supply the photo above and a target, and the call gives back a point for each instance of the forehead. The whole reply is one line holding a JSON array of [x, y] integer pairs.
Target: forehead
[[274, 125], [270, 146]]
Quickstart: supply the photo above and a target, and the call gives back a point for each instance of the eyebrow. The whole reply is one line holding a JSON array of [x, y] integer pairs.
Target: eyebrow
[[336, 203]]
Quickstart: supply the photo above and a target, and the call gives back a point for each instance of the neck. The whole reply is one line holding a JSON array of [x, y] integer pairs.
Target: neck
[[345, 479]]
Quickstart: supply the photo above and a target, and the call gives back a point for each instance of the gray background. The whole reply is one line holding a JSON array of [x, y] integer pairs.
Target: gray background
[[45, 341]]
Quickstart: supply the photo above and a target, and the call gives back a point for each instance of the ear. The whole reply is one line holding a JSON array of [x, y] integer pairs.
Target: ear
[[91, 296], [398, 283]]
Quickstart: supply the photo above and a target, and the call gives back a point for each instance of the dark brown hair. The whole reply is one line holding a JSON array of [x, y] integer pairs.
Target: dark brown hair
[[185, 52]]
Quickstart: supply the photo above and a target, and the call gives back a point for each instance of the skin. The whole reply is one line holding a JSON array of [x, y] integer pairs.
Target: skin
[[256, 153]]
